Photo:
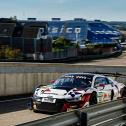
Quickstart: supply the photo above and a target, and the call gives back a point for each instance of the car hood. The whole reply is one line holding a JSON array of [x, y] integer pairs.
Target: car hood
[[50, 92], [59, 93]]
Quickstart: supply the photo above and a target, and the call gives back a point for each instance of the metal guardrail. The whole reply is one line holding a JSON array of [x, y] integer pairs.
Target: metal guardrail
[[106, 114]]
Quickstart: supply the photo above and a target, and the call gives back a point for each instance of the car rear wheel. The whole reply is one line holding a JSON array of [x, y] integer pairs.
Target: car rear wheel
[[123, 92], [93, 99], [112, 95]]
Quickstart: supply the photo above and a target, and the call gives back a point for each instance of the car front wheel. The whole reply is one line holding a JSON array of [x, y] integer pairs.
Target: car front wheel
[[93, 99]]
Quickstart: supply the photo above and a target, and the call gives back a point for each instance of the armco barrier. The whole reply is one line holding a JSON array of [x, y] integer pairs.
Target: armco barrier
[[106, 114]]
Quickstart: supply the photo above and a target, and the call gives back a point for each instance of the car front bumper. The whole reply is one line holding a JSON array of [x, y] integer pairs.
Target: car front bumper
[[48, 107]]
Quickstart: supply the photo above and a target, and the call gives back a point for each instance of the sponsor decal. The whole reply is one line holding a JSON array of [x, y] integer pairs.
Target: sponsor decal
[[72, 94], [106, 32], [49, 99], [40, 33], [68, 30], [105, 95]]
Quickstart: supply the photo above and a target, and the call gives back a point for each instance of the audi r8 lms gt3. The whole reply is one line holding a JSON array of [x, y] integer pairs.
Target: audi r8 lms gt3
[[76, 90]]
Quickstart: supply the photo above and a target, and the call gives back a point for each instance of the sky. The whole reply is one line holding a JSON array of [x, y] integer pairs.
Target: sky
[[107, 10]]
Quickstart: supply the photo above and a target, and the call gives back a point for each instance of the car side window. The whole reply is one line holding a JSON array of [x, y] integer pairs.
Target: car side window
[[110, 82], [100, 80]]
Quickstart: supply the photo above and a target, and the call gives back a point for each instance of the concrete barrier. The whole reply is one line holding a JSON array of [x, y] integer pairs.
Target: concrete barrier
[[21, 78], [23, 83]]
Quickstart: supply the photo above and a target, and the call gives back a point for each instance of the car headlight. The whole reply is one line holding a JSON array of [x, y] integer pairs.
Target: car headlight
[[35, 95]]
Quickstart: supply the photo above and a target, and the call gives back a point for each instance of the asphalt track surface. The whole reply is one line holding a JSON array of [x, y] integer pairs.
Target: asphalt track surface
[[12, 105], [16, 111], [19, 117], [114, 61]]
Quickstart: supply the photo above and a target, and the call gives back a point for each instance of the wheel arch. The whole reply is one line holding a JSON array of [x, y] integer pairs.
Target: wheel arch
[[93, 98]]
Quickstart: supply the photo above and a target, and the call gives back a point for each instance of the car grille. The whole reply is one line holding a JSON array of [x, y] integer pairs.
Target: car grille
[[49, 107]]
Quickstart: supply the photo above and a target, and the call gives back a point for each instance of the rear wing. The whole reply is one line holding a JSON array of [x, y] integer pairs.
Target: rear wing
[[109, 74]]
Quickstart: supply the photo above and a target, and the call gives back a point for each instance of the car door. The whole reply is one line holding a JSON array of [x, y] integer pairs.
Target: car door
[[115, 89], [104, 89]]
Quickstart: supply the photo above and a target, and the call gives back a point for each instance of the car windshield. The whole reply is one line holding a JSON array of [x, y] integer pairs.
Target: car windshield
[[73, 81]]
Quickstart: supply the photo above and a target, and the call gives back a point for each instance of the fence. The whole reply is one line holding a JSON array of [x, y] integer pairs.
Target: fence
[[27, 46], [106, 114], [33, 49], [62, 54]]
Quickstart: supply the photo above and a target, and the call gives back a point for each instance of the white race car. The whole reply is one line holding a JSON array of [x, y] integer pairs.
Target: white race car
[[76, 90]]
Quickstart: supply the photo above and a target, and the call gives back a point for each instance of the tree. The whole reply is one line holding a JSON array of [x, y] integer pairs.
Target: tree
[[62, 43]]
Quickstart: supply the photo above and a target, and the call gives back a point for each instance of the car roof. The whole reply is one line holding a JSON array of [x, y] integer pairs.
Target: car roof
[[91, 74]]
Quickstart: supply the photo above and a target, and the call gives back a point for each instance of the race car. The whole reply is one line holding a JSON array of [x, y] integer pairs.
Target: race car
[[76, 90]]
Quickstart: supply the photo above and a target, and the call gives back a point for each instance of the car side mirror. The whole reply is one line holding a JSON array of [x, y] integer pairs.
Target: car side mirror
[[52, 81], [100, 86], [38, 86]]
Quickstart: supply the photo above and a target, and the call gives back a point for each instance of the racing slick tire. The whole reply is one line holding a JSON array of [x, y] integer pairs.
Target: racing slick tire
[[32, 106], [112, 95], [123, 92], [34, 109], [93, 99]]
